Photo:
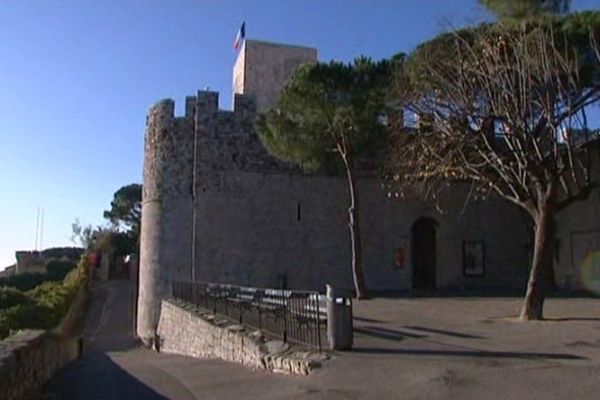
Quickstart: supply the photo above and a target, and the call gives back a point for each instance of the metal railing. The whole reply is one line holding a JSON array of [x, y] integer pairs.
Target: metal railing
[[291, 315]]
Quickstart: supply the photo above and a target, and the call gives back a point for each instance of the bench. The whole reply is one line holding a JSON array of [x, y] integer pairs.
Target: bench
[[304, 308], [314, 310]]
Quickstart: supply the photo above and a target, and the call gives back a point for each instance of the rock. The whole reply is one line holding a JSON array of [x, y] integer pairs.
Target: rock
[[257, 337], [236, 328], [276, 347]]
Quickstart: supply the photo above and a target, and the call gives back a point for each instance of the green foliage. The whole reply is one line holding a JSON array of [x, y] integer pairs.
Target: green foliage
[[572, 33], [80, 275], [26, 316], [106, 239], [126, 207], [70, 253], [23, 282], [10, 297], [117, 243], [56, 270], [121, 237], [523, 9], [324, 104], [44, 306], [332, 117], [55, 298]]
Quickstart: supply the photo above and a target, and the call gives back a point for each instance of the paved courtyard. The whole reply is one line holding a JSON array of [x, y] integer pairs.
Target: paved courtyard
[[475, 348], [406, 348]]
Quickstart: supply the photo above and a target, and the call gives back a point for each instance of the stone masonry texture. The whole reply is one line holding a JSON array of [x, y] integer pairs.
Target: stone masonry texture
[[263, 68], [30, 357], [184, 329], [217, 207]]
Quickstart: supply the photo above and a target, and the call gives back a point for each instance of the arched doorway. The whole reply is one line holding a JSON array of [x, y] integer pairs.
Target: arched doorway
[[423, 253]]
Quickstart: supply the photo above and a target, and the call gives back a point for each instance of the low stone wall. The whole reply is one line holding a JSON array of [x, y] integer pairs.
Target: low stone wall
[[30, 357], [185, 330]]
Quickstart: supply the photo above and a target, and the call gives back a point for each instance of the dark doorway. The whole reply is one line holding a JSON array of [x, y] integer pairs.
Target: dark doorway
[[423, 253]]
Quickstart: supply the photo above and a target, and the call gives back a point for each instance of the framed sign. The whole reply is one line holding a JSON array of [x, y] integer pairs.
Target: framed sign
[[473, 258]]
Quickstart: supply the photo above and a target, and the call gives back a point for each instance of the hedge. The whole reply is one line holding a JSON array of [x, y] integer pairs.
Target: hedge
[[43, 306]]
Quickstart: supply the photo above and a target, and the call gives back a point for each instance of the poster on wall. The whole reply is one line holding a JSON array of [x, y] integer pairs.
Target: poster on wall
[[400, 256], [473, 258]]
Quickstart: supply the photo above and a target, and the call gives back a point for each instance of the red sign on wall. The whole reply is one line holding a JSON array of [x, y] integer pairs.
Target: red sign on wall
[[399, 259]]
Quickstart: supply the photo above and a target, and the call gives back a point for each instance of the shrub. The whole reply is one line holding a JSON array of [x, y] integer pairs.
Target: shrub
[[71, 253], [43, 306], [55, 297], [56, 270], [27, 316], [23, 282], [81, 274], [10, 297]]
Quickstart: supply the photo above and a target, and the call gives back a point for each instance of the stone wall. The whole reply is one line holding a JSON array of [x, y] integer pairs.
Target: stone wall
[[578, 239], [217, 207], [215, 199], [255, 228], [166, 232], [8, 271], [259, 220], [31, 262], [29, 358], [185, 330]]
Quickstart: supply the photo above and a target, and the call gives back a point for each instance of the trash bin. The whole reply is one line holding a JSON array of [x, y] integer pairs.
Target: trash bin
[[340, 332]]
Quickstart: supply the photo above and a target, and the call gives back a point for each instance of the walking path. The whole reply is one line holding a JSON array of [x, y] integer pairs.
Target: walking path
[[408, 348]]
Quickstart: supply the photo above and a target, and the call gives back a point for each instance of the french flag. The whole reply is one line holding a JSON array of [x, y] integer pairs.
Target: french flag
[[241, 35]]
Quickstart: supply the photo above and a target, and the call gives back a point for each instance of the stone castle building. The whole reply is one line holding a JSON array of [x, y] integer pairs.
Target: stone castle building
[[34, 261], [217, 207]]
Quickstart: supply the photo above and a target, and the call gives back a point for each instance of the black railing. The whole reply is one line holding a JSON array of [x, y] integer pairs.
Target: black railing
[[291, 315]]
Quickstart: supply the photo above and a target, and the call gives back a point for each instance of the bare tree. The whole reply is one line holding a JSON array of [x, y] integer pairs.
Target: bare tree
[[504, 112]]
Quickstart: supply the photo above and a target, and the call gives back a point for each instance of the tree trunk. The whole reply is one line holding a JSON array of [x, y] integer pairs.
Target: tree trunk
[[354, 226], [541, 266]]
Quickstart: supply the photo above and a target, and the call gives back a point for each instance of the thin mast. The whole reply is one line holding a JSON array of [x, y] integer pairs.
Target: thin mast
[[37, 229], [42, 231]]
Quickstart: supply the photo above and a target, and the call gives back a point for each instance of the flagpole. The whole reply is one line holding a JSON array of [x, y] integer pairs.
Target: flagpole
[[37, 229], [42, 231]]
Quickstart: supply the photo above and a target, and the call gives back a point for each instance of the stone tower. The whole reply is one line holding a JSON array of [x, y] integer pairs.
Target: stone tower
[[166, 210], [175, 154], [263, 68]]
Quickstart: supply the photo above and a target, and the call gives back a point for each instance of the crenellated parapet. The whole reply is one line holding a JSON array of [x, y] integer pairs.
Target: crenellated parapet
[[223, 140], [204, 152], [183, 157], [167, 153], [204, 138]]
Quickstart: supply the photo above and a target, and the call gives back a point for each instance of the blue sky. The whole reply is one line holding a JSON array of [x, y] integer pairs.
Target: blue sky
[[76, 79]]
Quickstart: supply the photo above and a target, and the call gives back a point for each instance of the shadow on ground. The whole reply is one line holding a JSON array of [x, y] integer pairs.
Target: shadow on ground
[[106, 331], [98, 377], [386, 333], [471, 353], [445, 333]]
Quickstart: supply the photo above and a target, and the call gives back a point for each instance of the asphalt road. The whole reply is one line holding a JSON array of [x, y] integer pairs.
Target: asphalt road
[[114, 366], [430, 348]]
